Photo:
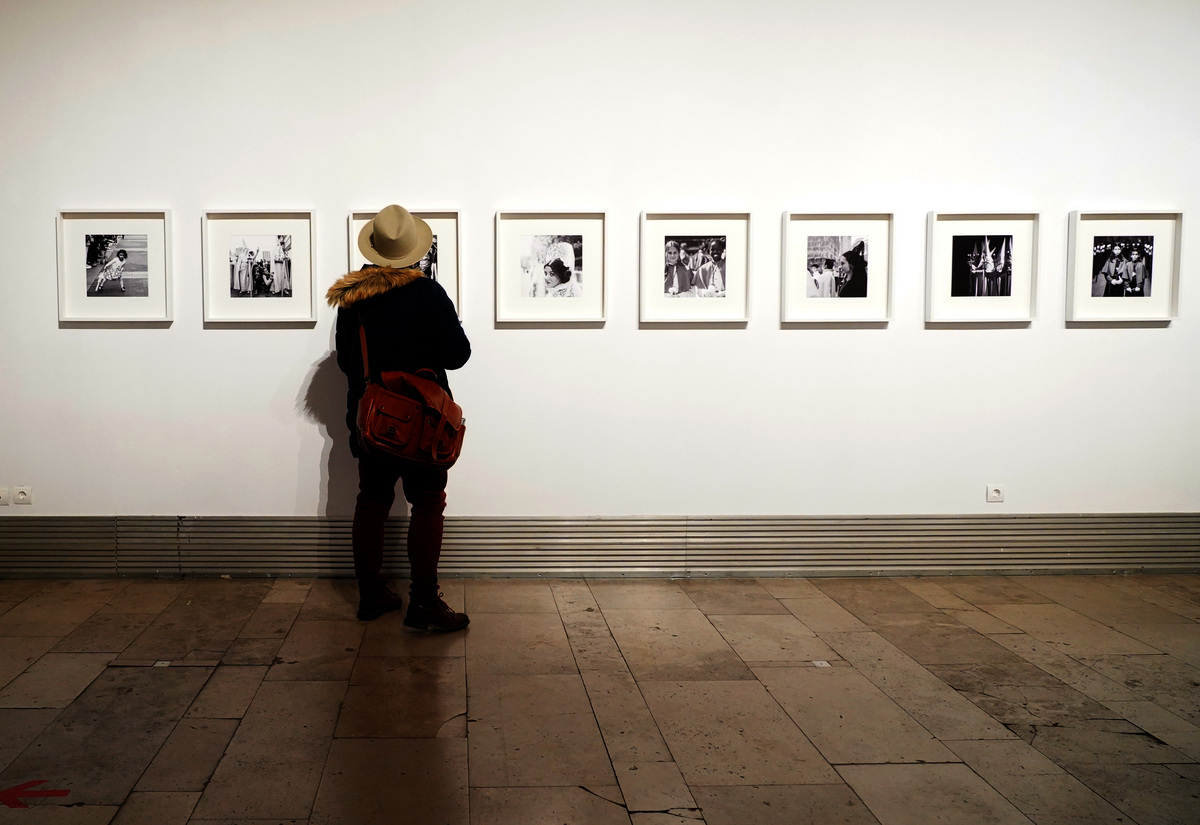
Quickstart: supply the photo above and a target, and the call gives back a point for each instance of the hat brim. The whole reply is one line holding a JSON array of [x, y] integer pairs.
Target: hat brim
[[424, 241]]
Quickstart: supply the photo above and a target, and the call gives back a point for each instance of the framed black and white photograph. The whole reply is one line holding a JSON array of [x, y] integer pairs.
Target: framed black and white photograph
[[550, 267], [694, 267], [1123, 266], [258, 267], [836, 268], [981, 267], [114, 266], [440, 263]]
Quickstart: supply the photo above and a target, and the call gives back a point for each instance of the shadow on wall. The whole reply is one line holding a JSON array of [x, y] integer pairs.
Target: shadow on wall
[[324, 401]]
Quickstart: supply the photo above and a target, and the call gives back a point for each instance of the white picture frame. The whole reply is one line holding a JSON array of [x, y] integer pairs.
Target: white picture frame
[[697, 301], [445, 226], [981, 267], [823, 239], [251, 273], [96, 283], [1102, 291], [528, 244]]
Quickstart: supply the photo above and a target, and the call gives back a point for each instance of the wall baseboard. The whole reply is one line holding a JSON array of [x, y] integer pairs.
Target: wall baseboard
[[89, 546]]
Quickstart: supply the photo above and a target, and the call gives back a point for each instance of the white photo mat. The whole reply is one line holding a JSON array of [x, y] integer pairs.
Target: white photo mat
[[145, 272], [444, 223], [799, 304], [656, 305], [225, 232], [1086, 229], [521, 245], [1009, 238]]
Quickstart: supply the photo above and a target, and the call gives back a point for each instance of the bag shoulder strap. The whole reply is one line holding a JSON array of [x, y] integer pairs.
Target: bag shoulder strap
[[362, 340]]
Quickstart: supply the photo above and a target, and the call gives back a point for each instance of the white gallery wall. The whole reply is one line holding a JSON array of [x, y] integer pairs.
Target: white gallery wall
[[759, 106]]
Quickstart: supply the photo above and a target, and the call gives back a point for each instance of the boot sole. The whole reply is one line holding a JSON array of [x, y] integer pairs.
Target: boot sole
[[429, 628]]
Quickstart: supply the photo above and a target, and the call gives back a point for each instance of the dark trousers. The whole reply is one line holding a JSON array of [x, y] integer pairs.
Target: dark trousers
[[425, 490]]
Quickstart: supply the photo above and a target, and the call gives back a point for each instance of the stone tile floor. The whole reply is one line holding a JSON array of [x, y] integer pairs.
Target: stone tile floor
[[1056, 699]]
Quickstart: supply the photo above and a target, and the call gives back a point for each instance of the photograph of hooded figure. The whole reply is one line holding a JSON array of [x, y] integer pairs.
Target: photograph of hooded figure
[[837, 266], [981, 266]]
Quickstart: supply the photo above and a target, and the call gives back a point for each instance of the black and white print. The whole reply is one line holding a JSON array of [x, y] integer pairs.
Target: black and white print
[[116, 266], [260, 266], [429, 262], [837, 266], [981, 266], [552, 266], [1122, 266], [694, 266]]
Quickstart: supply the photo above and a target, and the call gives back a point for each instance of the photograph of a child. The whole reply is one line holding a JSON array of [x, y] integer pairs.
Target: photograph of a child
[[1121, 266], [981, 266], [694, 267], [260, 266], [116, 266], [837, 266], [552, 266]]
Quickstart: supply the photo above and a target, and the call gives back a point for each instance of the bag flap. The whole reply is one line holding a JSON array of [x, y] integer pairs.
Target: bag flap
[[428, 392]]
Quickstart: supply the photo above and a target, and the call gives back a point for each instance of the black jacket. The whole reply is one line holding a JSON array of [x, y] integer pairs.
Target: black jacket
[[411, 324]]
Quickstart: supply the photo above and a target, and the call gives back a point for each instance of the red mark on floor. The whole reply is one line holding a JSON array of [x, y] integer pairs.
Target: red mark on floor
[[12, 796]]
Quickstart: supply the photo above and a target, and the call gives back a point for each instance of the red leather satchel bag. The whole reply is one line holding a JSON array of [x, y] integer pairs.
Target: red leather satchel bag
[[409, 417]]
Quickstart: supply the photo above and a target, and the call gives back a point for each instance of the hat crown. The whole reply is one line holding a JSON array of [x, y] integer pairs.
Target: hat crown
[[394, 232]]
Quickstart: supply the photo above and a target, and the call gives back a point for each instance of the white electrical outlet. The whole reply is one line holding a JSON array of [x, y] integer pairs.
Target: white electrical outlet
[[22, 495], [4, 499], [995, 493]]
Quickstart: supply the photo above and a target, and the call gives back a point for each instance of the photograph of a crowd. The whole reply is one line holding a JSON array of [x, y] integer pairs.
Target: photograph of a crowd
[[837, 266], [116, 266], [260, 266], [694, 266], [1121, 265], [552, 266], [981, 266]]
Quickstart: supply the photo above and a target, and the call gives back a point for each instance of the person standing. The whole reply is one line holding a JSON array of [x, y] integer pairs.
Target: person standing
[[410, 324], [677, 278], [1139, 274], [709, 279]]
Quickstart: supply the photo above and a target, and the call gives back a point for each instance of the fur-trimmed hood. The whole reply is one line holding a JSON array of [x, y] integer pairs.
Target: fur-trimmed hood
[[367, 283]]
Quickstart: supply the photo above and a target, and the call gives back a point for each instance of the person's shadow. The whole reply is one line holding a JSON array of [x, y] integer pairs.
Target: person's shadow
[[324, 401]]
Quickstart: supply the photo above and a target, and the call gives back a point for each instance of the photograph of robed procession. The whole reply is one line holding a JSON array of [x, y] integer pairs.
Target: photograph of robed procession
[[116, 266], [1121, 265], [260, 266], [694, 266], [981, 266], [551, 266], [837, 266]]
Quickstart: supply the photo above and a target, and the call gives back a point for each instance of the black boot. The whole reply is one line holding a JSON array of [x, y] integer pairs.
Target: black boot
[[433, 614], [375, 598]]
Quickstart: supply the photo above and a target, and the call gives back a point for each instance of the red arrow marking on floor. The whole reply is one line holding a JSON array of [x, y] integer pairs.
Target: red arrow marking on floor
[[12, 796]]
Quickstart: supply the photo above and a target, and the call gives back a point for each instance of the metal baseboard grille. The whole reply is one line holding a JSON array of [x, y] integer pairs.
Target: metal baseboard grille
[[649, 546]]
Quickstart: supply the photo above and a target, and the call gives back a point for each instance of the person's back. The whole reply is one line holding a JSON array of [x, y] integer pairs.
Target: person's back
[[410, 324]]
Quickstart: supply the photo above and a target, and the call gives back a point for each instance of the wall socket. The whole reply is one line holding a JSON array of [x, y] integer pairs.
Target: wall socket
[[22, 495], [995, 493], [4, 499]]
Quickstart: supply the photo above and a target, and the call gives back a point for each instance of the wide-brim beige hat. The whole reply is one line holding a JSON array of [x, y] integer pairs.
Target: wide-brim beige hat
[[395, 237]]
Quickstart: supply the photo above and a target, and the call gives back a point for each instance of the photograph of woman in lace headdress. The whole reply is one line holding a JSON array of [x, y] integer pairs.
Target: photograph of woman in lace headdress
[[552, 266], [837, 266]]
